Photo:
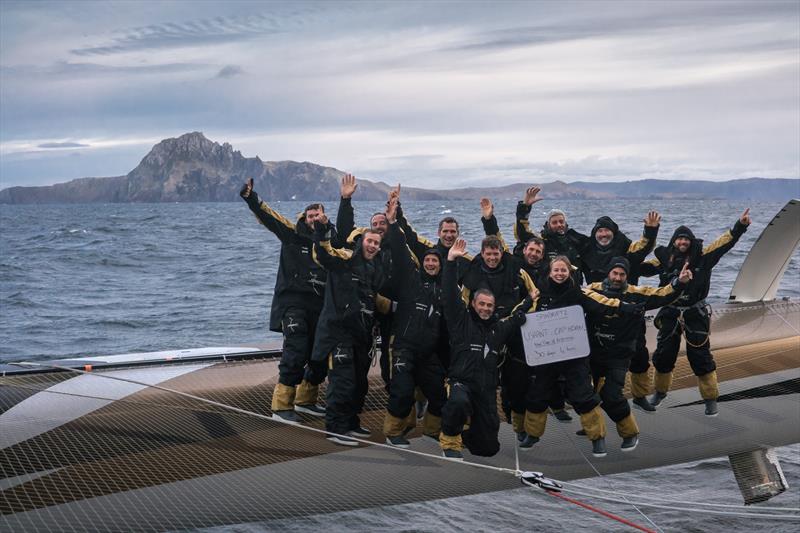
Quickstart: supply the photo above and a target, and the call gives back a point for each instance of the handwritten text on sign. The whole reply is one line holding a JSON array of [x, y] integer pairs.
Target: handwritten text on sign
[[557, 335]]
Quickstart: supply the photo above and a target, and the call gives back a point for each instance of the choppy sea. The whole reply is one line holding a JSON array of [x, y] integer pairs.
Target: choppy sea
[[83, 280]]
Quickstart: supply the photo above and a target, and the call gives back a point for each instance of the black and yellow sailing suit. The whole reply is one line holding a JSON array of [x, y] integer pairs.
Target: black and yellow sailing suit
[[345, 331], [595, 266], [510, 282], [472, 376], [689, 314], [613, 339], [578, 383], [296, 305], [417, 327], [571, 244]]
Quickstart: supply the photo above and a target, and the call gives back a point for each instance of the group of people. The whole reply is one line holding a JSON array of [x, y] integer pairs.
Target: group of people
[[449, 324]]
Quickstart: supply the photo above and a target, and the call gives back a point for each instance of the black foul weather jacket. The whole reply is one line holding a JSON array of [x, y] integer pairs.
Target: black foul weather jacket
[[570, 244], [301, 281], [475, 343], [417, 322], [420, 245], [351, 296], [669, 261], [619, 331], [596, 258]]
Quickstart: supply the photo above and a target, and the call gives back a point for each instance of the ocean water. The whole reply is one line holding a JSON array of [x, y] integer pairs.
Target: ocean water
[[84, 280]]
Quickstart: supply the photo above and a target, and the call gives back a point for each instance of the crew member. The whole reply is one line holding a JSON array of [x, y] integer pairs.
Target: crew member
[[416, 329], [344, 335], [561, 290], [296, 305], [606, 242], [613, 339], [476, 338], [689, 314]]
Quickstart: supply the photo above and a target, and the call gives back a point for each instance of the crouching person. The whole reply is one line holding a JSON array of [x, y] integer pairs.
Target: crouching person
[[476, 337]]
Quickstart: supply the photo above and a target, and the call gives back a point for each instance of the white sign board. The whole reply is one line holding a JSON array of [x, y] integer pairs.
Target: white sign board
[[556, 335]]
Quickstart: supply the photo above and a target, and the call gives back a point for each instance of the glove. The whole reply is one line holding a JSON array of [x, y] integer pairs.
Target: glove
[[632, 309]]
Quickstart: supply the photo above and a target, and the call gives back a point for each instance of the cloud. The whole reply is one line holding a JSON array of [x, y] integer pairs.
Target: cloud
[[62, 145], [230, 71]]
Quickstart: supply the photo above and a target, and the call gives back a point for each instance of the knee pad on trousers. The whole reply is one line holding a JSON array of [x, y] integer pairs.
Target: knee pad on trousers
[[594, 424], [627, 427], [283, 397], [640, 384], [535, 423], [663, 381], [306, 393], [707, 383]]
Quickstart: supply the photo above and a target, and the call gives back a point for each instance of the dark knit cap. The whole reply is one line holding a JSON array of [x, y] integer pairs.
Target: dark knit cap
[[620, 262]]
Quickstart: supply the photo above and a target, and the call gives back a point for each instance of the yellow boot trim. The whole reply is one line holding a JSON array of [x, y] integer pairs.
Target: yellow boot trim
[[599, 385], [535, 423], [283, 397], [518, 421], [627, 427], [393, 426], [594, 424], [640, 384], [450, 442], [432, 425], [663, 382], [707, 384], [306, 394], [418, 396]]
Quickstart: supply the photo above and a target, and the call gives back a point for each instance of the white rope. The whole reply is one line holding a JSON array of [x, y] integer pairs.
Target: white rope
[[689, 509], [683, 502]]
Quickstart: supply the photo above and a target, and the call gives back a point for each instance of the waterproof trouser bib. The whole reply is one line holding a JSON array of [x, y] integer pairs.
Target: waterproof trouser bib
[[409, 369]]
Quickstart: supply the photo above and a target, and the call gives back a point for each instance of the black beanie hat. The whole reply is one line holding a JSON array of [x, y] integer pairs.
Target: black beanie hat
[[620, 262]]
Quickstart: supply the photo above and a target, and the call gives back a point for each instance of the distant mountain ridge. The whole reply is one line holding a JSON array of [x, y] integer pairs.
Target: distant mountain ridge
[[192, 168]]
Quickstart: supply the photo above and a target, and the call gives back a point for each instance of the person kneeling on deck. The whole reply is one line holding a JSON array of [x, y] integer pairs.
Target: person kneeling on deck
[[299, 294], [345, 331], [415, 335], [689, 314], [557, 291], [476, 337], [613, 338]]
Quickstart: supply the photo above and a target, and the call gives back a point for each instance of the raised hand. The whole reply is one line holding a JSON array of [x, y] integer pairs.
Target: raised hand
[[745, 218], [247, 188], [686, 273], [348, 186], [394, 194], [391, 210], [459, 249], [487, 209], [532, 195], [652, 220], [534, 293], [323, 218]]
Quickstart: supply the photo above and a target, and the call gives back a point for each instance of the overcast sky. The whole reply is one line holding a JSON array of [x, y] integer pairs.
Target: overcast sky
[[432, 94]]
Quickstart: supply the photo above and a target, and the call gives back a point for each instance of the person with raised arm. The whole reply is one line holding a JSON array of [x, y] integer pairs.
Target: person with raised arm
[[561, 290], [417, 326], [296, 305], [689, 315], [344, 336], [476, 338], [613, 339]]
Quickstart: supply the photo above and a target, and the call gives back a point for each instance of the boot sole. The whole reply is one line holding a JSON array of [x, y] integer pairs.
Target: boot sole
[[403, 446], [307, 411], [642, 409], [712, 415], [285, 421], [340, 442], [600, 454], [630, 449]]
